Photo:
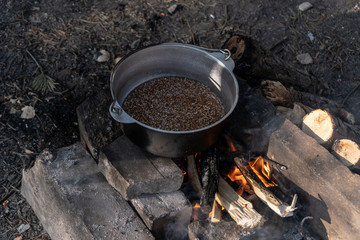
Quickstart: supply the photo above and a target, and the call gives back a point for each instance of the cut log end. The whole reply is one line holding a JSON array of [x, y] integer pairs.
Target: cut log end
[[347, 151], [319, 124]]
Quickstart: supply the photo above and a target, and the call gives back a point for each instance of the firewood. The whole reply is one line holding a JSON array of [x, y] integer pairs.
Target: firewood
[[216, 212], [320, 125], [295, 115], [193, 175], [278, 94], [240, 210], [209, 177], [347, 151], [278, 206], [252, 61]]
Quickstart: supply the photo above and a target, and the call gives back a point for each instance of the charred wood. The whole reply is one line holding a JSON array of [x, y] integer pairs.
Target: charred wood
[[209, 177], [253, 61], [193, 175]]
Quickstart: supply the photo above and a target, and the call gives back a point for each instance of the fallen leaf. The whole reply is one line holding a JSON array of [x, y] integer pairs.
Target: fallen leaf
[[13, 111], [18, 238], [27, 151], [28, 112]]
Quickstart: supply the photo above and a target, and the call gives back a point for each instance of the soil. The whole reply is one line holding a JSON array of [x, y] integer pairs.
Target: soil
[[49, 50], [174, 104]]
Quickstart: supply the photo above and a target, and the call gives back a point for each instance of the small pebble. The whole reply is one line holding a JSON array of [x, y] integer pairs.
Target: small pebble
[[23, 227], [311, 36], [102, 56], [172, 9], [28, 112], [304, 58], [305, 6]]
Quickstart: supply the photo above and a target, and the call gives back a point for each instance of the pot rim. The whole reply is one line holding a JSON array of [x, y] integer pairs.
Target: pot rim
[[193, 47]]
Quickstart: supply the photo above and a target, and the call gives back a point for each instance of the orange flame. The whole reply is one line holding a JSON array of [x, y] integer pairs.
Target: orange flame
[[196, 211], [231, 144], [262, 170], [235, 175]]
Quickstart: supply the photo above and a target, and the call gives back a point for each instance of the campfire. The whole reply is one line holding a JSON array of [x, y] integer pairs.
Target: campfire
[[232, 190]]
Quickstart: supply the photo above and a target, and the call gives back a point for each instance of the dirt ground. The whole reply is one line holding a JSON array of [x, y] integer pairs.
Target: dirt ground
[[48, 52]]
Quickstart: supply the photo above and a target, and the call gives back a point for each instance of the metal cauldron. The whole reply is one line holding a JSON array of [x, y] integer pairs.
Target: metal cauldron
[[209, 66]]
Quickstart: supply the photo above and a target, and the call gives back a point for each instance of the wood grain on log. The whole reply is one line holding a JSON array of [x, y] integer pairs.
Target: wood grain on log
[[347, 151], [193, 175], [320, 125], [278, 94], [216, 212], [240, 210]]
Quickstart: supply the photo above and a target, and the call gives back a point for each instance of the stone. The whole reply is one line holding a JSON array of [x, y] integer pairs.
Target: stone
[[172, 9], [72, 199], [305, 6], [102, 56], [97, 128], [132, 171], [329, 189], [304, 58], [28, 112], [165, 214], [23, 228]]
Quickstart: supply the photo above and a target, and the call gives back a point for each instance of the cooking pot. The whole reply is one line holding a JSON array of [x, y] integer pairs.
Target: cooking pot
[[209, 66]]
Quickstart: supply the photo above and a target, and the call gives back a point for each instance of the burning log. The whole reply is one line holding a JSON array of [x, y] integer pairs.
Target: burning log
[[325, 128], [209, 177], [193, 175], [278, 94], [240, 210], [347, 151], [278, 206]]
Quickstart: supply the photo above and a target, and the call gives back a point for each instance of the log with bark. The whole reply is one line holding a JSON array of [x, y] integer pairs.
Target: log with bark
[[252, 61], [326, 128], [278, 94], [278, 206], [347, 151], [240, 210]]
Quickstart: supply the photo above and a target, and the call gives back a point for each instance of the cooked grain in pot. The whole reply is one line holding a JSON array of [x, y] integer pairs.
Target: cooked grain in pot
[[175, 104]]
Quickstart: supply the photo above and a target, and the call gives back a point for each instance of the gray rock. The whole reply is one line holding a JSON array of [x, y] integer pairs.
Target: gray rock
[[172, 9], [305, 6], [304, 58], [23, 228], [164, 212], [102, 56], [73, 200], [133, 172]]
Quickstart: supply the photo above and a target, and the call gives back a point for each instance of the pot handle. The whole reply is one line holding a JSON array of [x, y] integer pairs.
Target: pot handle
[[224, 55], [119, 114]]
